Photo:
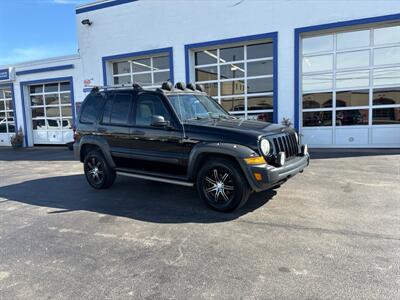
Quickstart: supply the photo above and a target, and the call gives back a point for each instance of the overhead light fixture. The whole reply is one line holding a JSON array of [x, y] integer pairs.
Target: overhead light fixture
[[86, 22]]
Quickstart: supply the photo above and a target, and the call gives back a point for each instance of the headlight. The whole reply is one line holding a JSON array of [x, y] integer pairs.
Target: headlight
[[265, 146], [297, 137]]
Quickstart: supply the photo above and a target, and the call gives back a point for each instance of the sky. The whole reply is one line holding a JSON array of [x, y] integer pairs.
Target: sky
[[36, 29]]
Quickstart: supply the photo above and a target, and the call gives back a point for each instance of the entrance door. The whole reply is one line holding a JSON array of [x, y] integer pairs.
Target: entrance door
[[51, 113]]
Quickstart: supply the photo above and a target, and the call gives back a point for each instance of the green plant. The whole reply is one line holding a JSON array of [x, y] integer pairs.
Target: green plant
[[18, 138]]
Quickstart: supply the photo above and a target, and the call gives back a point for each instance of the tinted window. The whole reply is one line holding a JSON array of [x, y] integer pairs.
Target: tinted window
[[120, 109], [91, 108], [147, 106]]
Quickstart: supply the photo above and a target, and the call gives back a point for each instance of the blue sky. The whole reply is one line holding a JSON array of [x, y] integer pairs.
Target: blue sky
[[35, 29]]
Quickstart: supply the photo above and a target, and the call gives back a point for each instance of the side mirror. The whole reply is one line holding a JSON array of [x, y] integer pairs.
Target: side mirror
[[159, 121]]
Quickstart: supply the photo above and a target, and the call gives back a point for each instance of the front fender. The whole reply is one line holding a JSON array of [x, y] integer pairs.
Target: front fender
[[238, 152]]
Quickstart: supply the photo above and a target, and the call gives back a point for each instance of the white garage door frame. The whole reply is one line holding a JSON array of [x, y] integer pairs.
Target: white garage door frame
[[378, 136]]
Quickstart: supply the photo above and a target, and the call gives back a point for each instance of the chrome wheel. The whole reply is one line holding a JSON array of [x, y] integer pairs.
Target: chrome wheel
[[95, 170], [218, 186]]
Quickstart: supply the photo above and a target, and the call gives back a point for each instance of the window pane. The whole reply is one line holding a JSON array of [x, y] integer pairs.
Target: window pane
[[53, 123], [34, 89], [317, 82], [37, 112], [53, 111], [160, 77], [386, 96], [206, 73], [318, 63], [142, 79], [205, 57], [11, 126], [2, 105], [257, 68], [120, 109], [211, 88], [122, 67], [232, 71], [352, 59], [317, 118], [381, 116], [8, 105], [141, 65], [91, 108], [387, 35], [387, 56], [7, 94], [317, 100], [387, 76], [354, 39], [1, 94], [352, 117], [260, 85], [233, 104], [352, 79], [231, 54], [148, 106], [160, 63], [66, 123], [39, 124], [260, 102], [36, 100], [50, 88], [232, 87], [317, 44], [65, 98], [263, 117], [260, 51], [122, 80], [352, 98], [65, 86], [66, 111], [51, 99]]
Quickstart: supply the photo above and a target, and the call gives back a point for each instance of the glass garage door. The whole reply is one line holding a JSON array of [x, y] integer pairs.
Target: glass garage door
[[239, 77], [351, 87], [51, 113], [7, 125]]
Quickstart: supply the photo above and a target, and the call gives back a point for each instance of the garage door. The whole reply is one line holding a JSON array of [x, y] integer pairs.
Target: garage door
[[350, 87], [51, 113], [7, 125]]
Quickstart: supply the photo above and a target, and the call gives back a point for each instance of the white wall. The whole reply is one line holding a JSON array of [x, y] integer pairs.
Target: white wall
[[152, 24]]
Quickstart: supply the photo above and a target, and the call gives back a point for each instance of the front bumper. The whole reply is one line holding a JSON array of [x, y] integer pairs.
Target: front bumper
[[272, 176]]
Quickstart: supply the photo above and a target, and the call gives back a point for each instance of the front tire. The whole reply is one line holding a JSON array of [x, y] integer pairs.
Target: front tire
[[97, 171], [221, 185]]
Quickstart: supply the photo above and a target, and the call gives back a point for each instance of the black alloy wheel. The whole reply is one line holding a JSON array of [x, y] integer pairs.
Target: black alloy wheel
[[98, 173]]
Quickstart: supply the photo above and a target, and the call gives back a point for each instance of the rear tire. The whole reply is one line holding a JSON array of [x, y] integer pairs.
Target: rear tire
[[222, 185], [97, 171]]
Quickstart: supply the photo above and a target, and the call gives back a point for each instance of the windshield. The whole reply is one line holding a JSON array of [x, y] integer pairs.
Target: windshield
[[190, 107]]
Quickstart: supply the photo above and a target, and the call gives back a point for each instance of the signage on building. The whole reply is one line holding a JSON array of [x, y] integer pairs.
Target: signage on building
[[4, 74]]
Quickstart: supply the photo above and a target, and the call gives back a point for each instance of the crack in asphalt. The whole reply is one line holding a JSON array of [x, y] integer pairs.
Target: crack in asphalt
[[324, 230]]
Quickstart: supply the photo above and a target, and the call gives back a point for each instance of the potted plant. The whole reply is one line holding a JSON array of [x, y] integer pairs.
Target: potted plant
[[17, 139]]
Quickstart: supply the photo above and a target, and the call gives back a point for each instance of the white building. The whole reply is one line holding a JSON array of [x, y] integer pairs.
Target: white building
[[331, 67]]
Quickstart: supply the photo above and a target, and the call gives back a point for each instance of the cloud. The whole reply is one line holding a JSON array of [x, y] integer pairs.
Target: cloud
[[18, 55]]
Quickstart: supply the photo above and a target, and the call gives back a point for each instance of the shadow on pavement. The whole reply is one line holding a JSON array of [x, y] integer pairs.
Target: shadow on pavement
[[60, 153], [342, 153], [137, 199]]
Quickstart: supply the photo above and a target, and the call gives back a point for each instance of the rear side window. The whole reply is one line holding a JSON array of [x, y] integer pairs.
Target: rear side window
[[116, 111], [90, 110]]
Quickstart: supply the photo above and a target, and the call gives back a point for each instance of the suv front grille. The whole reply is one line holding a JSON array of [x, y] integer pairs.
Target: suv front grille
[[286, 143]]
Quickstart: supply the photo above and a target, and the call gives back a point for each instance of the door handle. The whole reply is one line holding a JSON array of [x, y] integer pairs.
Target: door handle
[[138, 132]]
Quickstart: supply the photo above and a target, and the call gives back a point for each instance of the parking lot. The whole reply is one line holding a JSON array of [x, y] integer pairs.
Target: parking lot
[[331, 232]]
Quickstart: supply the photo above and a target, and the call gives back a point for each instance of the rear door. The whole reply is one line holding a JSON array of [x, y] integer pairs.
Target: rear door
[[115, 125]]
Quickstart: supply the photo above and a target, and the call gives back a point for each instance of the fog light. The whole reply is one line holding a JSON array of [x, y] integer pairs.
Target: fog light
[[304, 149], [257, 176], [281, 158]]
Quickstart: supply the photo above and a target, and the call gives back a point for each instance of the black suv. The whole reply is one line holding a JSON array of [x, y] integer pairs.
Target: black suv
[[180, 135]]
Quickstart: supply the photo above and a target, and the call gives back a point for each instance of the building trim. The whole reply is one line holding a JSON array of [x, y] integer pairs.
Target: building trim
[[23, 84], [297, 34], [42, 70], [270, 35], [101, 5], [11, 86], [167, 50]]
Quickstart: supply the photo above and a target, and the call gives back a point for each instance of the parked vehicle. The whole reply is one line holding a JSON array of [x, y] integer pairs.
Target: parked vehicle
[[182, 136]]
